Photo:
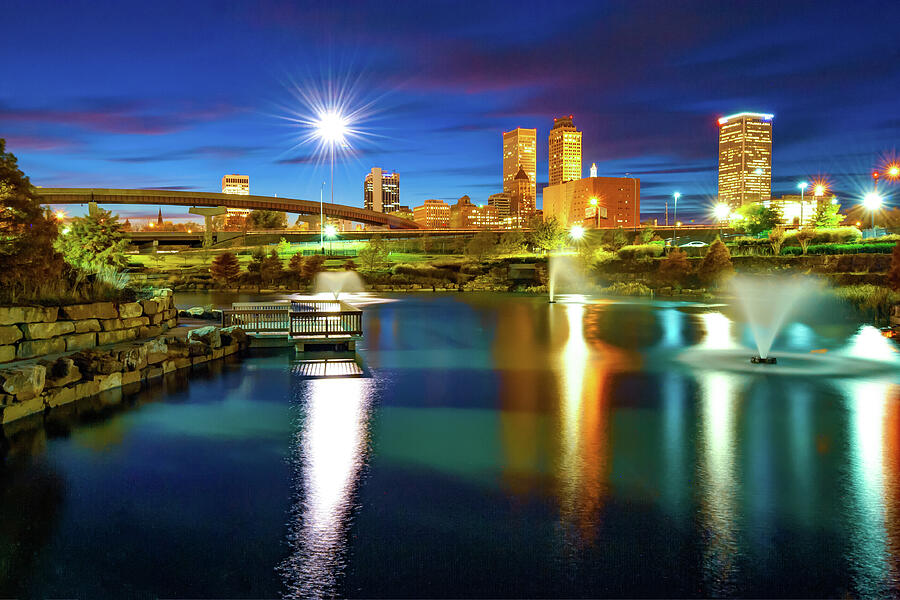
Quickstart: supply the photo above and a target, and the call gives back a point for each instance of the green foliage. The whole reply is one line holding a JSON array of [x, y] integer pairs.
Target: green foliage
[[283, 246], [675, 268], [225, 268], [373, 255], [635, 252], [271, 268], [749, 246], [877, 298], [835, 235], [511, 242], [716, 264], [94, 242], [868, 248], [482, 245], [312, 265], [546, 235], [827, 215], [756, 218], [267, 219], [619, 238], [776, 240], [647, 235], [27, 232], [804, 237], [631, 288]]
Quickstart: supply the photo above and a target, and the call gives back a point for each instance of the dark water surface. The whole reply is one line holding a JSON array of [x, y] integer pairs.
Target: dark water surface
[[499, 446]]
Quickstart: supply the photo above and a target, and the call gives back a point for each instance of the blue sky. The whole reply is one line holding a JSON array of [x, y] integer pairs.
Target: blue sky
[[176, 94]]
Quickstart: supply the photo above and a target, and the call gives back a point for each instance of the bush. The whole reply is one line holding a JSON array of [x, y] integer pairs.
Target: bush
[[749, 246], [716, 264], [635, 252], [871, 248], [869, 297], [633, 288], [894, 272], [674, 268]]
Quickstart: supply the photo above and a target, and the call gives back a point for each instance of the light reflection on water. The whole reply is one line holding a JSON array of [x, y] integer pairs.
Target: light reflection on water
[[329, 452]]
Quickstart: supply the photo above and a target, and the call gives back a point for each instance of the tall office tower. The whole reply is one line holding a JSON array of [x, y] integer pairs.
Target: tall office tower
[[745, 158], [565, 151], [433, 214], [519, 152], [381, 191], [501, 202], [522, 202], [236, 184]]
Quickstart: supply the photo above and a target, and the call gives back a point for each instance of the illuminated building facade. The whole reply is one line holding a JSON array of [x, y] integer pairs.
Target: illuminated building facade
[[797, 212], [519, 152], [618, 202], [465, 215], [433, 214], [745, 158], [381, 191], [565, 151], [236, 184], [522, 199], [502, 202]]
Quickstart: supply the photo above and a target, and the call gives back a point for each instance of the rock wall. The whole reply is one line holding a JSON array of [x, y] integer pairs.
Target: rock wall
[[33, 331], [36, 386]]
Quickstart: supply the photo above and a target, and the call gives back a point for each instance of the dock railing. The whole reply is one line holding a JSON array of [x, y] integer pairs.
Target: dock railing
[[308, 318]]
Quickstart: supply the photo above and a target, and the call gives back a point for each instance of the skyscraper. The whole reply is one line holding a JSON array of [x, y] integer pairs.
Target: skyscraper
[[381, 191], [519, 152], [745, 158], [565, 151], [522, 201]]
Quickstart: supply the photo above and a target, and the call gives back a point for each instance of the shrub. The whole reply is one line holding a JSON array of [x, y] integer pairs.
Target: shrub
[[311, 266], [716, 264], [776, 240], [894, 272], [635, 252], [632, 288], [674, 268], [869, 297], [747, 246], [870, 248]]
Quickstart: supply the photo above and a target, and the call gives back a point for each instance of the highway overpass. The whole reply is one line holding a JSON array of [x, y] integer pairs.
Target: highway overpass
[[184, 198]]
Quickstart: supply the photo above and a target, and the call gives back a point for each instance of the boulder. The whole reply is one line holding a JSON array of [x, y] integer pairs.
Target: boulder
[[132, 322], [194, 311], [61, 371], [24, 382], [86, 388], [87, 325], [198, 348], [234, 333], [80, 341], [177, 347], [43, 331], [58, 396], [93, 362], [129, 310], [157, 319], [7, 353], [94, 310], [10, 315], [111, 324], [157, 351], [134, 358], [19, 410], [33, 348], [151, 307], [10, 334], [208, 335], [149, 331], [108, 382]]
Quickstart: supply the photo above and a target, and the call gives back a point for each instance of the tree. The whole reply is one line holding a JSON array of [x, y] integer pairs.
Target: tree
[[619, 238], [254, 267], [716, 264], [804, 237], [827, 215], [27, 231], [271, 268], [295, 265], [373, 255], [894, 272], [511, 242], [349, 265], [284, 246], [756, 218], [94, 243], [313, 265], [675, 267], [225, 268], [481, 245], [267, 219], [647, 234], [776, 240], [546, 235]]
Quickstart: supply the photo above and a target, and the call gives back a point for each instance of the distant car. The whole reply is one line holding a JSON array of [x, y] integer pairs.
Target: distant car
[[695, 244]]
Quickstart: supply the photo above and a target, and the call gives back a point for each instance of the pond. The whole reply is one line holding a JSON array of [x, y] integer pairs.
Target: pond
[[497, 446]]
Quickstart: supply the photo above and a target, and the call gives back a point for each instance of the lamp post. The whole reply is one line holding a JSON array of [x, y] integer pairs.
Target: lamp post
[[331, 233], [593, 202], [721, 211], [872, 202], [331, 128], [676, 195], [802, 185]]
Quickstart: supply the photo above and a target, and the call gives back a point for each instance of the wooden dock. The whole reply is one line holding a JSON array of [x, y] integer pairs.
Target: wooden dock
[[308, 324]]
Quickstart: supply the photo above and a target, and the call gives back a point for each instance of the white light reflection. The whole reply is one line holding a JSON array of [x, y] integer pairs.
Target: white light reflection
[[870, 558], [328, 456], [572, 362], [717, 332], [718, 481], [870, 344]]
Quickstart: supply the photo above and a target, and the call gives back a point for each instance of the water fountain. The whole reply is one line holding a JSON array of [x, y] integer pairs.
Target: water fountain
[[766, 304], [338, 282], [564, 273]]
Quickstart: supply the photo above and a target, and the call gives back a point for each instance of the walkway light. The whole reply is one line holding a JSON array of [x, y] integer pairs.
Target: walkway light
[[60, 215], [577, 232], [330, 231], [721, 211], [892, 171], [872, 202], [819, 190]]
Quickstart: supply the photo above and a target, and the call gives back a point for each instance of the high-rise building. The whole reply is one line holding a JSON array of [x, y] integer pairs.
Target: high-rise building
[[519, 152], [381, 191], [618, 202], [433, 214], [745, 158], [522, 200], [236, 184], [502, 203], [565, 151]]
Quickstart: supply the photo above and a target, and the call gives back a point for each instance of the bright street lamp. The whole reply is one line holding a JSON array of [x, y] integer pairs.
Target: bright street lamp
[[872, 201], [330, 231], [593, 202], [892, 171], [676, 195], [577, 232], [819, 190], [722, 211], [802, 185], [331, 128], [60, 215]]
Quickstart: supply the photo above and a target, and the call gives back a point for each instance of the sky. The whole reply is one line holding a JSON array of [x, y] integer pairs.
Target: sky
[[173, 95]]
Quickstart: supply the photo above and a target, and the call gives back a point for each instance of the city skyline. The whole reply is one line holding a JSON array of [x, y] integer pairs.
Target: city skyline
[[83, 115]]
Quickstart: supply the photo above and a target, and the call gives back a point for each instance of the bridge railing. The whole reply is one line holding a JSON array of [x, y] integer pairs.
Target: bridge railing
[[297, 318]]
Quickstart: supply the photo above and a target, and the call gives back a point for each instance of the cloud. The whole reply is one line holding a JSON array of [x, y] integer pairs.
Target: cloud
[[202, 152], [41, 143]]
